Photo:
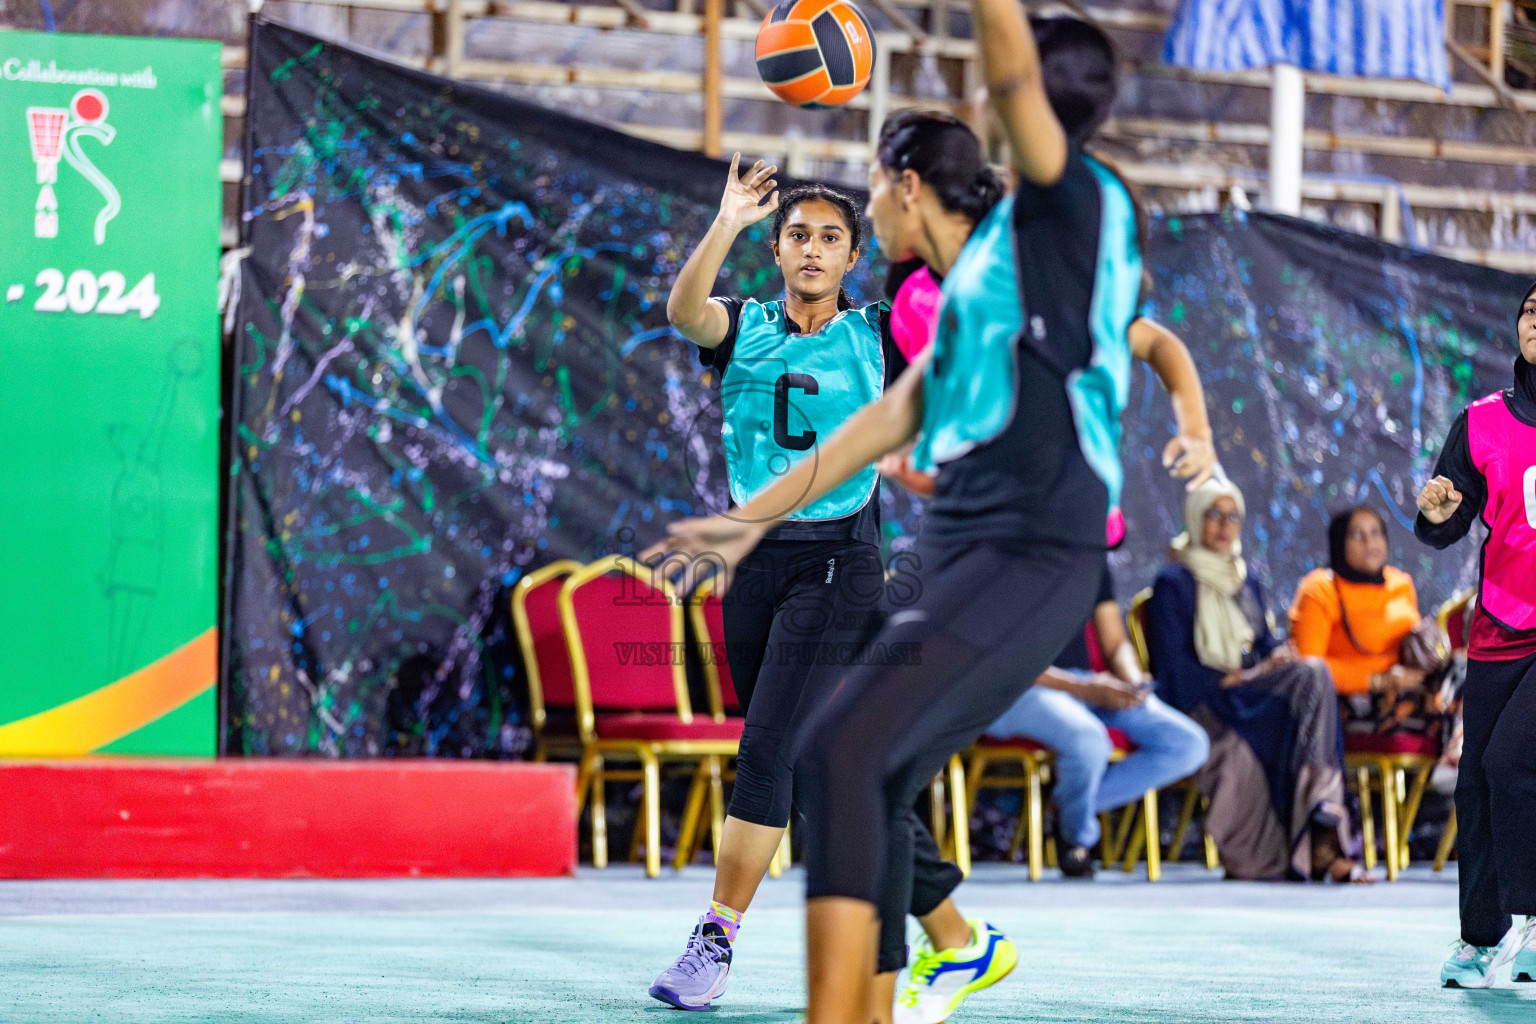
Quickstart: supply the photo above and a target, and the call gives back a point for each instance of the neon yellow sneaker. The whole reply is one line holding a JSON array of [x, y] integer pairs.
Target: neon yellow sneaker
[[937, 981]]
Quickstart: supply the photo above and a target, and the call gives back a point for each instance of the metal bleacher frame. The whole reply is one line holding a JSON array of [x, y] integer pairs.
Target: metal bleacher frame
[[711, 21]]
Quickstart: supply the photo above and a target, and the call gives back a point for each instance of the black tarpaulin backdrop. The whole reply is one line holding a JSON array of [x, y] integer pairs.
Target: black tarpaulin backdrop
[[453, 365]]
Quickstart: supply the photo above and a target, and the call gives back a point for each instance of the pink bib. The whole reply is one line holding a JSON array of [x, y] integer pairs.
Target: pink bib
[[1504, 451], [915, 312], [914, 318]]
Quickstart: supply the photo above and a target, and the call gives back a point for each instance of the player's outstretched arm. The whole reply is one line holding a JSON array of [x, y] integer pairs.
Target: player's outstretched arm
[[689, 307], [1190, 455], [1011, 69], [873, 431]]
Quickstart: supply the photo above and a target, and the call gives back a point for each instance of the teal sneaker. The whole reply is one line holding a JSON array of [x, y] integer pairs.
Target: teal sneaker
[[1523, 967], [937, 981], [1471, 966]]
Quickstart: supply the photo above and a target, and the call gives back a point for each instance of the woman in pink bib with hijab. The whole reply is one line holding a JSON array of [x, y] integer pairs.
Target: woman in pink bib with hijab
[[1487, 470]]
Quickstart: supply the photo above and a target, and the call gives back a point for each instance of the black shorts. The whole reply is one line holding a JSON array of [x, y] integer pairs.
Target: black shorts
[[796, 616], [984, 624]]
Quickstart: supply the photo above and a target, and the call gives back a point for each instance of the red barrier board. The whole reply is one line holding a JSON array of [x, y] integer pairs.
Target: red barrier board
[[280, 818]]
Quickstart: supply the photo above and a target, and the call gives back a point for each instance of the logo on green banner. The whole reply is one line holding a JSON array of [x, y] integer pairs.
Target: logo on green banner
[[109, 162]]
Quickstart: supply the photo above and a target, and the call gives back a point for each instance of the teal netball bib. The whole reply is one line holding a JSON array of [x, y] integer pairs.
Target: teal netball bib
[[784, 393], [971, 386], [1099, 393]]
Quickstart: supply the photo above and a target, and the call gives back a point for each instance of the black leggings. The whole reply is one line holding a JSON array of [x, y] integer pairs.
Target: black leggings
[[1496, 798], [985, 623], [791, 635], [795, 618]]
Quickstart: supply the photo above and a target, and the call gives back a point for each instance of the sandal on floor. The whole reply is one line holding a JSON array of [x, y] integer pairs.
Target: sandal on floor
[[1344, 871]]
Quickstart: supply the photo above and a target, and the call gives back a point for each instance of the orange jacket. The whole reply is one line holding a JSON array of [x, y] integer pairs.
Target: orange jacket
[[1378, 616]]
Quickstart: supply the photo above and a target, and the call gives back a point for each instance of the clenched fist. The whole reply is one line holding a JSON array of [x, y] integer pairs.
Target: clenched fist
[[1439, 500]]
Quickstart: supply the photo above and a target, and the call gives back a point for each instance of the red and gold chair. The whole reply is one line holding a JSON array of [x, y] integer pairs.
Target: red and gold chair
[[1036, 763], [708, 626], [547, 661], [1455, 617], [1136, 626], [950, 809], [1399, 767], [624, 627]]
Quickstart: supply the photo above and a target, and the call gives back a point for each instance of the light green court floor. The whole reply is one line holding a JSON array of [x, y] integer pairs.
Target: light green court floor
[[1191, 948]]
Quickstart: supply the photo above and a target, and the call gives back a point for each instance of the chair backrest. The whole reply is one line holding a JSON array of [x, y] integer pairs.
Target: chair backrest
[[705, 612], [541, 636], [1096, 660], [624, 626], [1455, 618], [1136, 625]]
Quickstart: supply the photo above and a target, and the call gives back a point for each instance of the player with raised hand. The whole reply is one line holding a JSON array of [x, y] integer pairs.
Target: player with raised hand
[[1487, 470], [790, 371], [1017, 402]]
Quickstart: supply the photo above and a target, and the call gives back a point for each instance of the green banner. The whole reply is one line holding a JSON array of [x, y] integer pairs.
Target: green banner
[[109, 336]]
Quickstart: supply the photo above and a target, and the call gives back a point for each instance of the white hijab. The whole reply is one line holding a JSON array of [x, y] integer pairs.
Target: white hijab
[[1223, 634]]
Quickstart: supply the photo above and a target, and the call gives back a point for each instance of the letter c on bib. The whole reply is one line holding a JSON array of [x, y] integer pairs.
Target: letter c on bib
[[806, 438]]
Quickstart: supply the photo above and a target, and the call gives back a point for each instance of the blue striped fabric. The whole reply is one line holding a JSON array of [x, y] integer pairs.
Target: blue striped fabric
[[1369, 38]]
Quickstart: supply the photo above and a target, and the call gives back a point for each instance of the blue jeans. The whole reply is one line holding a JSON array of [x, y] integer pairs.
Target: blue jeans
[[1169, 747]]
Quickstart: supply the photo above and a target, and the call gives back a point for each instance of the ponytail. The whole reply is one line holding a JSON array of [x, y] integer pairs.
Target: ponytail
[[946, 155]]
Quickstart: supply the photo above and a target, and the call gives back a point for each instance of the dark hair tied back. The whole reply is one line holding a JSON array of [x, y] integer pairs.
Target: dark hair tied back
[[946, 155]]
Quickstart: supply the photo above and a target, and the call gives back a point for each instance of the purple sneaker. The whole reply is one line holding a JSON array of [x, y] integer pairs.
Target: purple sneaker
[[699, 974]]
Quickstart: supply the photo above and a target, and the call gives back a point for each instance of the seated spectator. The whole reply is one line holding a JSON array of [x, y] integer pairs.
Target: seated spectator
[[1355, 615], [1096, 683], [1275, 777]]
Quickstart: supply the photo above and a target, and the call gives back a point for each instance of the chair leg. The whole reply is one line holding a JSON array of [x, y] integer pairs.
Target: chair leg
[[1110, 849], [1123, 832], [637, 837], [1212, 855], [1367, 818], [1020, 833], [1447, 842], [936, 818], [1051, 860], [583, 781], [1389, 805], [1151, 828], [960, 809], [693, 810], [1034, 807], [980, 762], [1411, 810], [651, 776], [1181, 831], [1131, 849], [599, 816]]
